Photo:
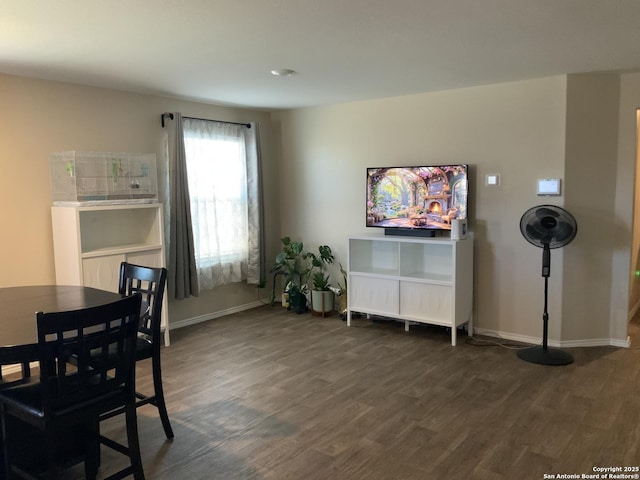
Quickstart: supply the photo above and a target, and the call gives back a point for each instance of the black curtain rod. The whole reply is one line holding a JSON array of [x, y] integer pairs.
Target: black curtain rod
[[170, 115]]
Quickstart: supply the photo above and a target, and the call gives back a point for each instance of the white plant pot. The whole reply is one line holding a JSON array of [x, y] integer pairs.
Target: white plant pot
[[322, 301]]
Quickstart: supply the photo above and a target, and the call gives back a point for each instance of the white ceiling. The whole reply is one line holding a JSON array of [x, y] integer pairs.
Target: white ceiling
[[222, 51]]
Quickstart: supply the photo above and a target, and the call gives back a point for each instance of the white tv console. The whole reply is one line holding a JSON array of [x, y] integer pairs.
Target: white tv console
[[426, 280]]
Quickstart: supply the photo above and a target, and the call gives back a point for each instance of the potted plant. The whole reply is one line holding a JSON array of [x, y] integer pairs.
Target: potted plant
[[342, 297], [322, 297], [292, 263]]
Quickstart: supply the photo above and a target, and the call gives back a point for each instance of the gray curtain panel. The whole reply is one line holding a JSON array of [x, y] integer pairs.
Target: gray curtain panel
[[182, 278], [256, 262]]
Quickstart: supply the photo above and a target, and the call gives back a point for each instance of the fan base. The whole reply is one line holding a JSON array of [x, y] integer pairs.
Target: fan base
[[542, 356]]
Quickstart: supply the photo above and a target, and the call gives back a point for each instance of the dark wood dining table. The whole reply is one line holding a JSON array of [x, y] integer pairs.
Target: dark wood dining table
[[18, 307]]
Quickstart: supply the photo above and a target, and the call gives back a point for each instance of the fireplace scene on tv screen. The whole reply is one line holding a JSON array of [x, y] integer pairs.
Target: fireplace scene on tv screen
[[416, 197]]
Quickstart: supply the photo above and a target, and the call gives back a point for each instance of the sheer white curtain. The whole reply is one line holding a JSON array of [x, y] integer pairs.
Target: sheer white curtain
[[217, 175]]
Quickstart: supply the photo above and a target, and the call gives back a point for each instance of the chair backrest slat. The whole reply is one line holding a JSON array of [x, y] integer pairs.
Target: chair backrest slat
[[150, 283]]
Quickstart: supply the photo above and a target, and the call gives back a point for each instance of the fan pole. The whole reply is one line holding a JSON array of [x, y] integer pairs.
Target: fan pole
[[545, 316], [546, 273], [544, 355]]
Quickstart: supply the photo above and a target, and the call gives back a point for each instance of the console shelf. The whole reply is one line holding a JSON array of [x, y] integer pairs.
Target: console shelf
[[412, 279]]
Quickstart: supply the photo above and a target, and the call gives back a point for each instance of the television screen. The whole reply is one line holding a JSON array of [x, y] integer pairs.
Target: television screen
[[416, 197]]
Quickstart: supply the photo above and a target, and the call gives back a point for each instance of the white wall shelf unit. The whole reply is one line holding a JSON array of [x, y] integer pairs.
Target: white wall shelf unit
[[425, 280], [90, 242]]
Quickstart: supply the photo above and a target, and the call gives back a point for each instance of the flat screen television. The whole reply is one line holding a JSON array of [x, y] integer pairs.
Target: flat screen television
[[416, 200]]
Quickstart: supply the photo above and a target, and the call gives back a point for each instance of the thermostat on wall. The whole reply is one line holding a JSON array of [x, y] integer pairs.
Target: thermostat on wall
[[548, 186]]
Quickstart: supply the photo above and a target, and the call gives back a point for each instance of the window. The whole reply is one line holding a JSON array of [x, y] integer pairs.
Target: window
[[217, 177]]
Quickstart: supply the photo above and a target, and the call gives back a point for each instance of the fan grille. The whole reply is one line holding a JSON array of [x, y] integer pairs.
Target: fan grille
[[548, 225]]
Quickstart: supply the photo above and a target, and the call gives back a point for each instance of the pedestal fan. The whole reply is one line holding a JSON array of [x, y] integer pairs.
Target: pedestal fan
[[547, 226]]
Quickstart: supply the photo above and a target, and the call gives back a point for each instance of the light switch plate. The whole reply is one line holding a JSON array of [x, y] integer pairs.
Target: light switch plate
[[493, 179]]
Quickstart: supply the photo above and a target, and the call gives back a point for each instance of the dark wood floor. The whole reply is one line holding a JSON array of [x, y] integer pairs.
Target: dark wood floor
[[269, 394]]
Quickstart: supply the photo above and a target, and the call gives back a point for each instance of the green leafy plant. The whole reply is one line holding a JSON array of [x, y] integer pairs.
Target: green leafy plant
[[342, 297], [302, 270], [320, 281], [292, 261], [320, 277], [343, 286]]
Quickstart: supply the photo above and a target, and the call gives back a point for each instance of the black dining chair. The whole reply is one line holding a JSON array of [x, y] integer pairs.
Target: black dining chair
[[17, 359], [60, 413], [150, 283]]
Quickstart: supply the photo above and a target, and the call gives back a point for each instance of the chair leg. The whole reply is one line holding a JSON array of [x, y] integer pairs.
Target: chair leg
[[92, 453], [26, 370], [159, 394], [50, 450], [133, 442], [5, 453]]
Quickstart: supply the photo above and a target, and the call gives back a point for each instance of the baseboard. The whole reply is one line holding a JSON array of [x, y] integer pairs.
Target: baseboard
[[210, 316], [595, 342]]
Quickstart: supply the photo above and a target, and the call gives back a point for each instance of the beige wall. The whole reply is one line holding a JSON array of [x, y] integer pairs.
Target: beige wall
[[43, 117], [590, 170], [571, 127], [518, 130], [627, 172]]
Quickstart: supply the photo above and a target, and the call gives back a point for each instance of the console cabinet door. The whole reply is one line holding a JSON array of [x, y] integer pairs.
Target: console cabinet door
[[374, 295], [425, 302]]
